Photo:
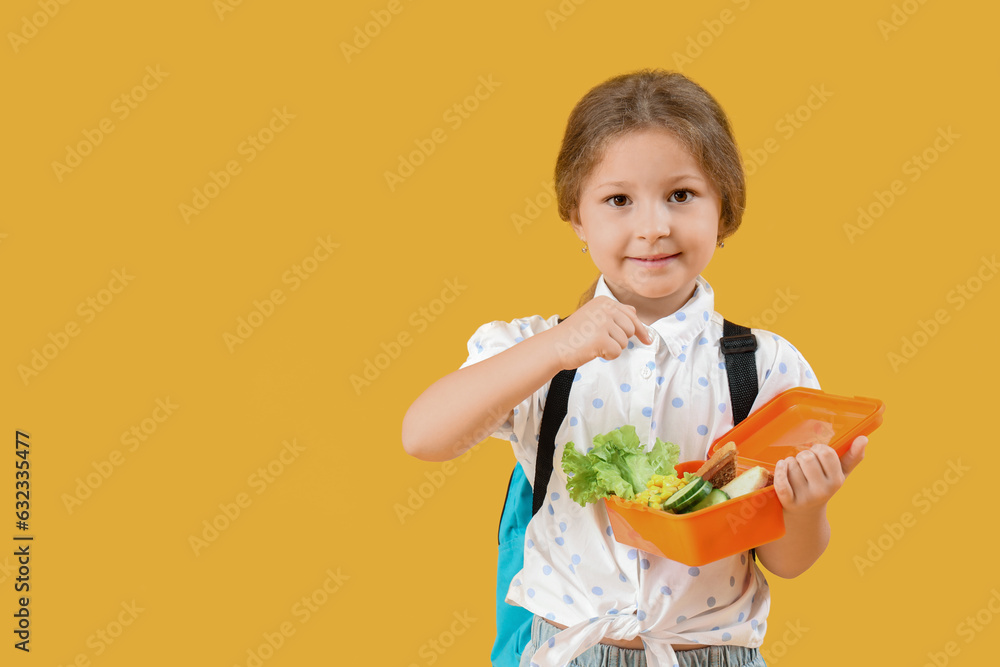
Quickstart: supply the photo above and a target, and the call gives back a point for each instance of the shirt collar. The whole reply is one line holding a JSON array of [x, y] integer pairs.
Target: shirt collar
[[679, 329]]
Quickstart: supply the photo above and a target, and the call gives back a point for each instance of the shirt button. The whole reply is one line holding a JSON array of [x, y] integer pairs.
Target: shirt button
[[645, 372]]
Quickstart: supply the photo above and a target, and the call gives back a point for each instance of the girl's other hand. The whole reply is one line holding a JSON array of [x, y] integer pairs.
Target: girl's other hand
[[600, 328], [806, 482]]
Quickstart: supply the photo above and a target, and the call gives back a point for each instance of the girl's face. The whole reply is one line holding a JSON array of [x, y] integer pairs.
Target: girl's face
[[650, 217]]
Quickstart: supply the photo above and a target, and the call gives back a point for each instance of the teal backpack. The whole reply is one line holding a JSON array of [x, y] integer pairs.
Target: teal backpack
[[521, 503]]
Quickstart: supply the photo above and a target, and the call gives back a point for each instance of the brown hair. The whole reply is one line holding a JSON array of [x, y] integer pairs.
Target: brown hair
[[651, 98]]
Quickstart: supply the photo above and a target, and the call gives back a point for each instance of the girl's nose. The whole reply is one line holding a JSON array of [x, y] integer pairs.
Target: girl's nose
[[655, 221]]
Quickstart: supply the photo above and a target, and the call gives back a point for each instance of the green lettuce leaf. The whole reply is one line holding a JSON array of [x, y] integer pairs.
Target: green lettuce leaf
[[618, 465]]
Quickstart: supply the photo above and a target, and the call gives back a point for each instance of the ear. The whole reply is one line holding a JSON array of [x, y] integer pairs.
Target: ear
[[574, 220]]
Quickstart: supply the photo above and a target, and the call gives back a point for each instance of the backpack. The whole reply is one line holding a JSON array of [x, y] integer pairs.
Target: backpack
[[521, 502]]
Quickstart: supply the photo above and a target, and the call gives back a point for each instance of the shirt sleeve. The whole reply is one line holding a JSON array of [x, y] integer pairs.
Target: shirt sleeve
[[493, 338], [779, 367]]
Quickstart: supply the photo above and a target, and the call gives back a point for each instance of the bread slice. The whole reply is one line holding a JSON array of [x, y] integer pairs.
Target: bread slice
[[721, 468], [751, 480]]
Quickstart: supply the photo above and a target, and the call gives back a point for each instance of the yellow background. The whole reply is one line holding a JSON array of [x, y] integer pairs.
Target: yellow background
[[333, 507]]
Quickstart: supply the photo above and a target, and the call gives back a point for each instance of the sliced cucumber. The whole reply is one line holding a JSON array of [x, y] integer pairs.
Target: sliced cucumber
[[715, 497], [693, 493]]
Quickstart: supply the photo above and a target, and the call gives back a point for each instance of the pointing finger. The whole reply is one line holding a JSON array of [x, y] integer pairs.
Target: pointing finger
[[641, 331]]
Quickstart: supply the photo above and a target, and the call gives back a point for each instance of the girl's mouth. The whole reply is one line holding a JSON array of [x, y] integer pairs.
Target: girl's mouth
[[654, 260]]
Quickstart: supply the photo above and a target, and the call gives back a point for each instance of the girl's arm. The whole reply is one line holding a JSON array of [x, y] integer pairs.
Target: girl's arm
[[467, 405], [804, 484]]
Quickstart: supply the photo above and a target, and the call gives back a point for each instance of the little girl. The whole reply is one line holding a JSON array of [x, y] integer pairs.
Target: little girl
[[651, 180]]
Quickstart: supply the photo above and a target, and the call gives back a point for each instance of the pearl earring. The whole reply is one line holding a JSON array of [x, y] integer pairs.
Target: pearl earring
[[585, 247]]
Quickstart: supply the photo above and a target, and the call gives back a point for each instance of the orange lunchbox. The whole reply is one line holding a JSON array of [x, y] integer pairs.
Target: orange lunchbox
[[789, 423]]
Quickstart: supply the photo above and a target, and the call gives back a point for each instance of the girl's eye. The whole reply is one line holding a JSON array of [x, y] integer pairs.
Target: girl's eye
[[617, 201], [682, 196]]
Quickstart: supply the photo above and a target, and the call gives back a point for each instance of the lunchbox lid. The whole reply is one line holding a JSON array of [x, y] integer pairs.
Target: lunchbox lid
[[798, 418]]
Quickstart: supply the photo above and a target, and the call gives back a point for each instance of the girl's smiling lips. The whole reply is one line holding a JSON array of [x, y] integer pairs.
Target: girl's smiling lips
[[654, 259]]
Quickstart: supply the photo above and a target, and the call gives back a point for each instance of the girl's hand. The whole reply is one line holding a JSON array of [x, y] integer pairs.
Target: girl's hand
[[600, 328], [806, 482]]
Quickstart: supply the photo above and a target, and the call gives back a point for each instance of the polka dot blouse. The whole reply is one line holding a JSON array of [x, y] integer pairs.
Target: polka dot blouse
[[575, 573]]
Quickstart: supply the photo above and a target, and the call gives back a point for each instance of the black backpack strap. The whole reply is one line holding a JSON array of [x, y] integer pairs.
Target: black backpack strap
[[739, 347], [553, 414]]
